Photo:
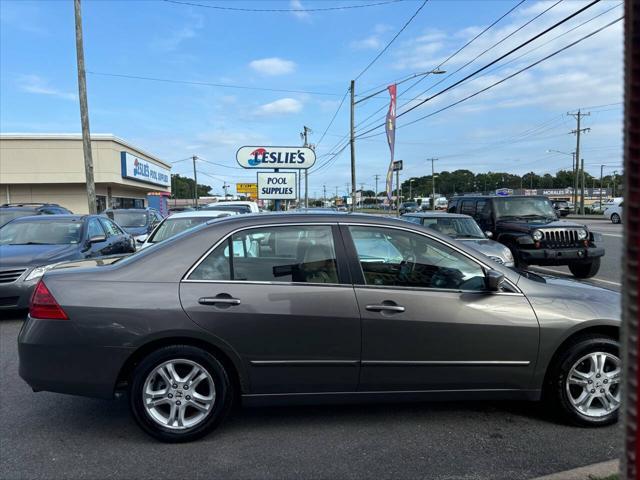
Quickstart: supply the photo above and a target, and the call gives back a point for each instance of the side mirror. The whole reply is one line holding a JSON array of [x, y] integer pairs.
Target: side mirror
[[142, 238], [492, 280], [97, 239], [488, 234]]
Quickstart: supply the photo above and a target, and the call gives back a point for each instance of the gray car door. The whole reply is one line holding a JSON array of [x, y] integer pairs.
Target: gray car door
[[429, 323], [280, 296]]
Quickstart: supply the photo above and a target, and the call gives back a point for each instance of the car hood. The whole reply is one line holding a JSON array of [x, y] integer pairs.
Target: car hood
[[484, 245], [523, 226], [566, 299], [36, 255], [89, 262]]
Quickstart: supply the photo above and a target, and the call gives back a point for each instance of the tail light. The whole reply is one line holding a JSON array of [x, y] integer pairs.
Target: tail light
[[44, 306]]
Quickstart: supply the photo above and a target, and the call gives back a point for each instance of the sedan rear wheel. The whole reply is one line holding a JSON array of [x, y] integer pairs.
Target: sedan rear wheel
[[615, 218], [180, 393], [585, 384]]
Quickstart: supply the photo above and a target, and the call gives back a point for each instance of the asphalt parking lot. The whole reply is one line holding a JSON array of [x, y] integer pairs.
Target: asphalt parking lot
[[50, 436]]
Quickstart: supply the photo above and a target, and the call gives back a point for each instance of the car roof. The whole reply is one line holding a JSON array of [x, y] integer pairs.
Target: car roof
[[436, 215], [19, 209], [129, 209], [202, 213], [293, 217], [59, 216]]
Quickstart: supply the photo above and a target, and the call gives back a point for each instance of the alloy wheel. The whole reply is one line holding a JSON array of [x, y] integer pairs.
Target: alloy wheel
[[179, 394], [593, 384]]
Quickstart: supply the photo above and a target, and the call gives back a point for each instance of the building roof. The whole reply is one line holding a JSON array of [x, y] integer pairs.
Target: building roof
[[78, 136]]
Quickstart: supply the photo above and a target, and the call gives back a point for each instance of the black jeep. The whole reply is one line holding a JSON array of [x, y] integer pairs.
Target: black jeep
[[529, 226]]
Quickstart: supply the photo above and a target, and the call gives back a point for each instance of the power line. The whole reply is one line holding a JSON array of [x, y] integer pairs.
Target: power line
[[392, 40], [210, 84], [493, 62], [513, 74], [333, 118], [284, 10]]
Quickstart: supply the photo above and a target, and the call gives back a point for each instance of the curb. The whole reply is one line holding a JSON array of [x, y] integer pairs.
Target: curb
[[590, 472]]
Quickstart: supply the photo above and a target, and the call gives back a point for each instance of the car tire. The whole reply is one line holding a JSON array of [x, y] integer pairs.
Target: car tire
[[585, 269], [615, 218], [566, 396], [183, 417]]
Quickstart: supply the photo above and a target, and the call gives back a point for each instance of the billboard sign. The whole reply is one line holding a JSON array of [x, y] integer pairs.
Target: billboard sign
[[136, 168], [248, 188], [277, 185], [397, 165], [504, 192], [275, 157]]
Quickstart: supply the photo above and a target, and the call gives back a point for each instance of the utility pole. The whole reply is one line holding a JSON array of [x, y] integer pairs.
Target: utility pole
[[361, 194], [324, 195], [304, 135], [353, 145], [601, 170], [410, 190], [398, 195], [433, 183], [84, 112], [225, 186], [195, 180], [584, 189], [376, 176], [578, 116]]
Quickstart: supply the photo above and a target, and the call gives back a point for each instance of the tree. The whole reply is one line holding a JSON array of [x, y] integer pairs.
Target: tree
[[182, 187]]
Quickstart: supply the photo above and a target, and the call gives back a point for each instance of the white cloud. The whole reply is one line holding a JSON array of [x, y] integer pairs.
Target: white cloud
[[373, 41], [297, 4], [273, 66], [40, 86], [174, 39], [284, 106]]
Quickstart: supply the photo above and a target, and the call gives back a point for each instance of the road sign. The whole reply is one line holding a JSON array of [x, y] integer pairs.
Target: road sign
[[277, 185], [397, 165], [250, 188], [290, 158]]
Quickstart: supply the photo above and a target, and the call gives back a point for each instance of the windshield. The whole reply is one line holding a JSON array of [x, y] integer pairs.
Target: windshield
[[130, 219], [455, 227], [38, 232], [7, 216], [173, 226], [522, 207]]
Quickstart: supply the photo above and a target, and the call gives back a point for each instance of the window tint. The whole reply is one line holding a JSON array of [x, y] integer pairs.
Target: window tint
[[417, 220], [110, 227], [274, 254], [93, 228], [390, 257], [453, 206], [483, 209], [468, 207]]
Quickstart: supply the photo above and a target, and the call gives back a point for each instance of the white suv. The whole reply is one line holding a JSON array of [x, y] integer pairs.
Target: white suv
[[613, 210]]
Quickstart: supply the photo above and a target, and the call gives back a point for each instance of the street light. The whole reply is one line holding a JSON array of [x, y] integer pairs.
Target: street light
[[352, 141]]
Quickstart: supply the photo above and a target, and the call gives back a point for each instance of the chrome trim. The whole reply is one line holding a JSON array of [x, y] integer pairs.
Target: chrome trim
[[185, 277], [303, 363], [419, 231], [471, 363], [258, 282], [384, 392]]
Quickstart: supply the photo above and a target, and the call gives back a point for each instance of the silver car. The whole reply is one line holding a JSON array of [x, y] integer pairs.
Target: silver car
[[465, 229]]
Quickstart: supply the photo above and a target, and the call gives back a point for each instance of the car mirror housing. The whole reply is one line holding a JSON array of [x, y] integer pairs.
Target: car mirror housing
[[488, 234], [493, 279]]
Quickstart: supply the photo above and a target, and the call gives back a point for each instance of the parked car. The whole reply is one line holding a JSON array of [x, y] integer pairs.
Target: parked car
[[317, 308], [613, 210], [409, 207], [9, 211], [240, 209], [561, 207], [529, 227], [139, 222], [179, 222], [173, 210], [597, 207], [29, 246], [252, 206], [464, 229]]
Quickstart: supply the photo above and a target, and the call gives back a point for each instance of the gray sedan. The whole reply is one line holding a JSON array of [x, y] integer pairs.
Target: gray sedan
[[464, 229], [276, 309]]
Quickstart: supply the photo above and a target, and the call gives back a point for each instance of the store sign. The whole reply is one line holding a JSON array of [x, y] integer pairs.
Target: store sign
[[248, 188], [135, 168], [397, 165], [504, 192], [276, 157], [277, 186], [558, 191]]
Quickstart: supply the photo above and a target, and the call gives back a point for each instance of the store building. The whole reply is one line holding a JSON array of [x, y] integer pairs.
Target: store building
[[49, 168]]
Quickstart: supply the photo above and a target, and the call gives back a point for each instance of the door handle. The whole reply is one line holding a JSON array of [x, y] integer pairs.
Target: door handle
[[385, 308], [218, 300]]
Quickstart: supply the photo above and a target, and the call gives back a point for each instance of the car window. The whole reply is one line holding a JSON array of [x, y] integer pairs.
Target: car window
[[110, 227], [416, 220], [94, 229], [468, 207], [391, 257], [41, 232], [273, 254]]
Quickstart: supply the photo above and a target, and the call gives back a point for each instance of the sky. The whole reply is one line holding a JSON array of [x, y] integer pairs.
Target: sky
[[304, 60]]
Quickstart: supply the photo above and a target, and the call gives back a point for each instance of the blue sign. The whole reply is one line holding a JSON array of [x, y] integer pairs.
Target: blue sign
[[135, 168], [504, 192]]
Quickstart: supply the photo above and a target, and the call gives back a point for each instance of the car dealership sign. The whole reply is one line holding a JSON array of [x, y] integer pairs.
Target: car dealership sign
[[277, 185], [276, 157], [135, 168]]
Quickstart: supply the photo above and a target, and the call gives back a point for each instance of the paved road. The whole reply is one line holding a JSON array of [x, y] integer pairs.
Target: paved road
[[51, 436]]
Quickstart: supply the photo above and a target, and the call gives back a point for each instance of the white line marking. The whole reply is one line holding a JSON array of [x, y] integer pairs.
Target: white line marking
[[568, 275], [610, 235]]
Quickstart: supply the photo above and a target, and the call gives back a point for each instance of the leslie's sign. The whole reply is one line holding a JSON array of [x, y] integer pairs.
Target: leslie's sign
[[276, 157], [136, 168]]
